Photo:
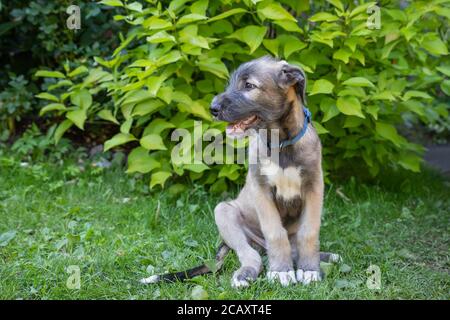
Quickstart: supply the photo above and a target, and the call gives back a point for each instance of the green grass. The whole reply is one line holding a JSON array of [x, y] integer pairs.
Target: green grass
[[110, 226]]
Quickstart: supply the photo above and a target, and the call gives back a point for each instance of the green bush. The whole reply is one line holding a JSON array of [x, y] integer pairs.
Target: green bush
[[33, 34], [15, 102], [178, 54]]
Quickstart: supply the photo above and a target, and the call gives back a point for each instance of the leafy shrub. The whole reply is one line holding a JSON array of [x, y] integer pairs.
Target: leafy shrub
[[33, 33], [178, 54], [15, 102], [34, 145]]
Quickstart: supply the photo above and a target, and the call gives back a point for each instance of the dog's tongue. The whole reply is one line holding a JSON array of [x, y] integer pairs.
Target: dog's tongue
[[235, 131]]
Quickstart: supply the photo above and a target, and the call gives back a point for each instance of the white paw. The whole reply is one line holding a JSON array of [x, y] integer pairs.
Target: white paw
[[152, 279], [334, 257], [306, 277], [235, 283], [285, 277]]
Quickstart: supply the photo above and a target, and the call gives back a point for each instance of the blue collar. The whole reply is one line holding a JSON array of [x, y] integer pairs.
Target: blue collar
[[301, 133]]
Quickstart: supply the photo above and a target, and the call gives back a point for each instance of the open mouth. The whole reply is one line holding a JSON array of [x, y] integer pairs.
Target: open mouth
[[238, 128]]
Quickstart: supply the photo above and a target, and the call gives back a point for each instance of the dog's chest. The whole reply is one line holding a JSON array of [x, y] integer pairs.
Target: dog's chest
[[287, 182]]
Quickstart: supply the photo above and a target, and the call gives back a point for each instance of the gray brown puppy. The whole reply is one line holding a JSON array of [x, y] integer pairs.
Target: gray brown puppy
[[279, 208]]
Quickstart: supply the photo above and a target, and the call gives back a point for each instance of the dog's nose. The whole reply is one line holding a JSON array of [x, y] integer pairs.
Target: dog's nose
[[215, 108]]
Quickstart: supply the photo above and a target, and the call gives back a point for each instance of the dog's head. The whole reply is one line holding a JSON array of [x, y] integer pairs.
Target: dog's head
[[260, 92]]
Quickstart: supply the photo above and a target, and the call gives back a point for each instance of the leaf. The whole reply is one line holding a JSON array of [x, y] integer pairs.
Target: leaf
[[52, 107], [171, 57], [62, 128], [349, 105], [342, 54], [200, 6], [358, 82], [358, 55], [153, 142], [140, 161], [406, 254], [191, 18], [289, 25], [226, 14], [293, 46], [410, 161], [175, 5], [322, 86], [388, 132], [373, 111], [444, 69], [81, 98], [416, 94], [250, 35], [137, 96], [147, 107], [118, 139], [352, 122], [197, 168], [198, 41], [274, 11], [155, 23], [126, 126], [153, 84], [199, 293], [49, 74], [160, 178], [78, 117], [345, 268], [433, 44], [385, 52], [195, 108], [337, 3], [218, 187], [215, 66], [107, 115], [328, 106], [47, 96], [135, 6], [323, 16], [384, 95], [157, 126], [342, 284], [229, 171], [319, 128], [160, 37], [362, 8], [112, 3], [78, 71], [445, 86], [5, 238], [271, 45]]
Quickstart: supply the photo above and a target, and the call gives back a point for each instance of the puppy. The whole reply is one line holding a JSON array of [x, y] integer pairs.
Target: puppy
[[279, 208]]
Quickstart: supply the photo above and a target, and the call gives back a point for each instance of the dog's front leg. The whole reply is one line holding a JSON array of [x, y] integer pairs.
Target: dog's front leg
[[278, 247], [308, 264]]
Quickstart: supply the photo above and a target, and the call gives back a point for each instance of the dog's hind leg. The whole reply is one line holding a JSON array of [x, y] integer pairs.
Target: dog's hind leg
[[231, 229]]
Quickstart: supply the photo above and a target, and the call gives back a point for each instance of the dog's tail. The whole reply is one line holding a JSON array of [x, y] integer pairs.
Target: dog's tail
[[222, 251]]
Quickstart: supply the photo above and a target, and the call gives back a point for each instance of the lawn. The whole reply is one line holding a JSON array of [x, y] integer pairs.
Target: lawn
[[116, 231]]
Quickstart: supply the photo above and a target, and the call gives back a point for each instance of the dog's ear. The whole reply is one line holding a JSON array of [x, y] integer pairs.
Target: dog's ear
[[294, 76]]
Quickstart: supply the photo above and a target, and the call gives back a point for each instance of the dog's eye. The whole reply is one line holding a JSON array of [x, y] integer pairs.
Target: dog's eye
[[249, 86]]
